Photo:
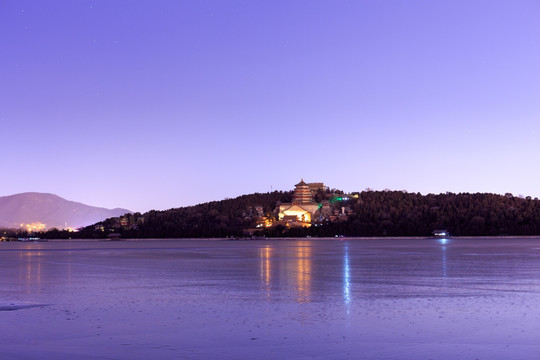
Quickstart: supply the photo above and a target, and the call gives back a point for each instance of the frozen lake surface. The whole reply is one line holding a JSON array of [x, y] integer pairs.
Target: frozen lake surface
[[271, 299]]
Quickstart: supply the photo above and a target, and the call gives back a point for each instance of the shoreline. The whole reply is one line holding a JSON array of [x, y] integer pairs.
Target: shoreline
[[304, 238]]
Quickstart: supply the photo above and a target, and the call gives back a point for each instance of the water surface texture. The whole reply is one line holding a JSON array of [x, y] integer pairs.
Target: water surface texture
[[271, 299]]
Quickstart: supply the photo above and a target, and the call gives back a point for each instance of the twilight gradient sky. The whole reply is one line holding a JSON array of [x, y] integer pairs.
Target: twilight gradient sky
[[159, 104]]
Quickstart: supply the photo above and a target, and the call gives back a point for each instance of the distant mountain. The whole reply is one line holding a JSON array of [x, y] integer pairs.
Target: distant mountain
[[51, 210]]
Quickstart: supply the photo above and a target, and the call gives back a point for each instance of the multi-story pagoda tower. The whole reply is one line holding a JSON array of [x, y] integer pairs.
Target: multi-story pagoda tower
[[302, 194]]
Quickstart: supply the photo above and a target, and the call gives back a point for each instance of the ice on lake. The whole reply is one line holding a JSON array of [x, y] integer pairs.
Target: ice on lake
[[271, 299]]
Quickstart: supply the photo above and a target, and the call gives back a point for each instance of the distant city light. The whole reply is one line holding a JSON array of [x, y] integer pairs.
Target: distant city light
[[35, 226]]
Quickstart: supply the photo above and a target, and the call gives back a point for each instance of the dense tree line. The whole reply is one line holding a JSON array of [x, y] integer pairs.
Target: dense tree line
[[213, 219], [374, 213], [397, 213]]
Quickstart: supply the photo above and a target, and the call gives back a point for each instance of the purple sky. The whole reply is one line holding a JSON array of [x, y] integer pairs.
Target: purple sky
[[159, 104]]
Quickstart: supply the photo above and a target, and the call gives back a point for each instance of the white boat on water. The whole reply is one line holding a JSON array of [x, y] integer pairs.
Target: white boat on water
[[441, 233]]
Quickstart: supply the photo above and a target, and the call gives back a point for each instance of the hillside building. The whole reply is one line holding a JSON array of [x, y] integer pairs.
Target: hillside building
[[302, 208]]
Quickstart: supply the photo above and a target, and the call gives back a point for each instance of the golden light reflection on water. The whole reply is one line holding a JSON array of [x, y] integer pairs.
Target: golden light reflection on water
[[266, 268], [303, 272], [294, 269], [31, 271]]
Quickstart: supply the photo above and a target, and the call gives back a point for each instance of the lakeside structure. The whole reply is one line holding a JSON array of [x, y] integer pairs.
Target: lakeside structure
[[304, 210], [303, 207]]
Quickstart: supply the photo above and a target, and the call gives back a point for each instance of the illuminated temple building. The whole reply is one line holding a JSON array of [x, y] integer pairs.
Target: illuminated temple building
[[300, 211]]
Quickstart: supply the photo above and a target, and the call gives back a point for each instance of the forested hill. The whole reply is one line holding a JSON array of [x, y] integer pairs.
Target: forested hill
[[369, 213], [397, 213], [213, 219]]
